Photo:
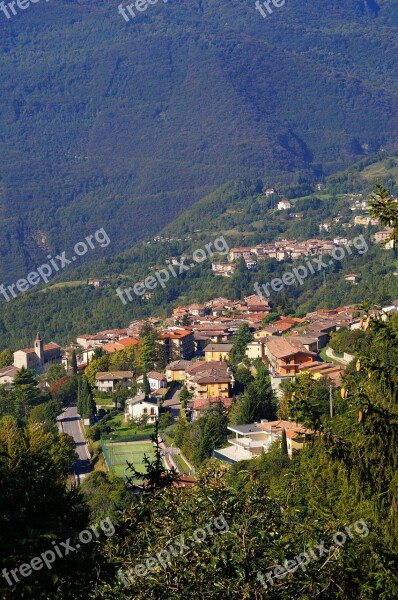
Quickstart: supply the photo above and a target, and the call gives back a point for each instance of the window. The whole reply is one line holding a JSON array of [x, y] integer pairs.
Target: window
[[152, 411], [145, 411]]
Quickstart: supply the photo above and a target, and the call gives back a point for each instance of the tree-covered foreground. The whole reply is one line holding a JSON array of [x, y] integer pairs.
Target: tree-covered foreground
[[329, 515]]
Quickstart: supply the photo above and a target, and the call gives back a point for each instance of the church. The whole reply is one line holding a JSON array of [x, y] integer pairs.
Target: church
[[38, 358]]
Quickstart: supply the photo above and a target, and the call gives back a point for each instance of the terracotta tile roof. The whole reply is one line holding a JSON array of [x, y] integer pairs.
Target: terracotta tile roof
[[281, 347], [203, 403], [103, 376]]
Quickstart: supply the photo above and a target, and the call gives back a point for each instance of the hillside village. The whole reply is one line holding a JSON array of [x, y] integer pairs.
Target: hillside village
[[197, 344]]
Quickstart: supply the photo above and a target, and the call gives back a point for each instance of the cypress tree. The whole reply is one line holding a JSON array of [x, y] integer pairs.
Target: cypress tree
[[284, 450], [73, 362]]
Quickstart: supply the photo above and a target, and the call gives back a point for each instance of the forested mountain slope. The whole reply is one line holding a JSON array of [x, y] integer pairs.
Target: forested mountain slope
[[124, 125]]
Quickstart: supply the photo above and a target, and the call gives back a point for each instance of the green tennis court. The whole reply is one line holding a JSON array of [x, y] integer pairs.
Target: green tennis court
[[117, 454]]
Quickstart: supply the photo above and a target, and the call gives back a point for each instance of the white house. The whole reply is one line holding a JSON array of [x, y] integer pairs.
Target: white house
[[106, 382], [249, 441], [156, 380], [141, 406], [284, 205]]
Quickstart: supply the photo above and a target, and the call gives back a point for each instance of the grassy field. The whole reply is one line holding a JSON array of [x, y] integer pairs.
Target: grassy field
[[122, 429], [133, 452]]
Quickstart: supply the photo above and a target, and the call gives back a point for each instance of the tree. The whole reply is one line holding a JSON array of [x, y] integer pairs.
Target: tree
[[165, 420], [98, 353], [46, 412], [36, 507], [270, 318], [6, 358], [86, 406], [257, 402], [309, 400], [385, 208], [54, 373], [145, 385], [121, 394], [240, 341], [214, 432], [26, 392], [181, 430], [147, 347], [73, 362], [243, 378], [65, 390], [184, 396], [100, 364], [284, 450]]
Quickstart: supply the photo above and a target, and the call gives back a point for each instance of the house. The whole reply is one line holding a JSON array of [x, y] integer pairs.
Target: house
[[142, 406], [218, 352], [249, 441], [285, 355], [256, 349], [7, 375], [197, 310], [381, 237], [209, 379], [120, 345], [223, 269], [97, 283], [179, 343], [38, 358], [284, 205], [353, 278], [156, 380], [175, 371], [236, 253], [85, 341], [199, 405], [106, 382]]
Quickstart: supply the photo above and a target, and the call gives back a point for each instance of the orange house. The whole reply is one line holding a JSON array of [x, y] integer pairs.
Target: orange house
[[285, 355]]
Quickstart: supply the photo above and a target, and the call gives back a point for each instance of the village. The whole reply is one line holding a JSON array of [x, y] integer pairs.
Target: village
[[197, 343]]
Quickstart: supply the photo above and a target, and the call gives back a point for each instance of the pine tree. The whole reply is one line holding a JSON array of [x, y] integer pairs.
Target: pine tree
[[156, 475]]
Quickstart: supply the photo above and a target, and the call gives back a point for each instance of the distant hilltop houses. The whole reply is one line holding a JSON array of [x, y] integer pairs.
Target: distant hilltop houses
[[281, 249]]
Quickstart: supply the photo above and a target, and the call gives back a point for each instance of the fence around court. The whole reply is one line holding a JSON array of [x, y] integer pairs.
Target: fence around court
[[113, 439], [116, 453]]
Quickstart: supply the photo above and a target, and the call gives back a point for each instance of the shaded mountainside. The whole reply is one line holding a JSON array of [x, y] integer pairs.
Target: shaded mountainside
[[125, 125]]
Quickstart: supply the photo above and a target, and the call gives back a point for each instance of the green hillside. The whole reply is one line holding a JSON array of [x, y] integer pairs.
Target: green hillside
[[125, 125], [245, 216]]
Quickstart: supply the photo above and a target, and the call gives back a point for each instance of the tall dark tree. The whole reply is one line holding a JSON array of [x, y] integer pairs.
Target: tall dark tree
[[146, 388], [73, 362], [284, 450]]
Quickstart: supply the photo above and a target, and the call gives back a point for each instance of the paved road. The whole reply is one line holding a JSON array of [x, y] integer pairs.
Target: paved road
[[330, 354], [172, 402], [69, 422]]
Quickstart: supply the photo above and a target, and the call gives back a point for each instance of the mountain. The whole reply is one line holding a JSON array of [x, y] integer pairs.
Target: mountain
[[124, 126]]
